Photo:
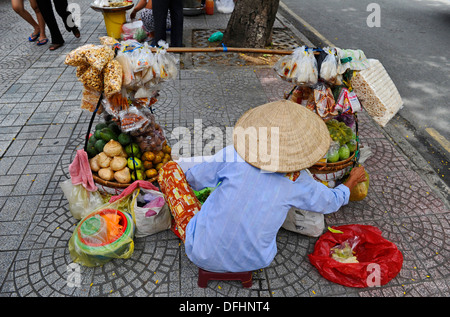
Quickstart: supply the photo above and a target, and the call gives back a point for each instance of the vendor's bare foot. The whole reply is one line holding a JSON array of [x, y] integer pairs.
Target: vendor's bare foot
[[55, 46]]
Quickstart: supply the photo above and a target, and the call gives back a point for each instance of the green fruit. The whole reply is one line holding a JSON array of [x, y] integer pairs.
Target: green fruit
[[139, 173], [352, 145], [91, 151], [124, 139], [344, 152], [106, 134], [133, 150], [92, 140], [100, 126], [332, 157], [134, 163], [97, 134], [99, 145], [114, 127]]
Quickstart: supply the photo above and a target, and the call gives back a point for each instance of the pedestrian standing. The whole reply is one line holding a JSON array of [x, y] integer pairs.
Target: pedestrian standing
[[46, 8], [39, 26], [160, 11]]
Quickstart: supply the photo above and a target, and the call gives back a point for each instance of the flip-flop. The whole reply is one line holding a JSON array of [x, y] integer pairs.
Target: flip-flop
[[42, 42], [33, 37]]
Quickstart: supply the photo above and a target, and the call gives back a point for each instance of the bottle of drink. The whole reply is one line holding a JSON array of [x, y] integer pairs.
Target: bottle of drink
[[209, 6]]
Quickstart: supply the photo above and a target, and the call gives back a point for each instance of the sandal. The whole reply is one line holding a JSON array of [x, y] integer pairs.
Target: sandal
[[76, 32], [42, 42], [34, 37], [55, 46]]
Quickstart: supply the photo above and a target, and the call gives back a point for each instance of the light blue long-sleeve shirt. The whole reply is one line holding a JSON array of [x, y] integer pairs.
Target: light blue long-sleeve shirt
[[235, 231]]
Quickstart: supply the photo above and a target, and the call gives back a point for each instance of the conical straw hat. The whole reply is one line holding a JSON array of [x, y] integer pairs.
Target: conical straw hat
[[281, 136]]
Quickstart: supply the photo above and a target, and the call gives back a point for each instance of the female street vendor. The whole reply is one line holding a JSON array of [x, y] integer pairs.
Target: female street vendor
[[236, 228]]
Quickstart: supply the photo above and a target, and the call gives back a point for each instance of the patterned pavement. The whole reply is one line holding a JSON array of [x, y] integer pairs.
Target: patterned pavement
[[42, 126]]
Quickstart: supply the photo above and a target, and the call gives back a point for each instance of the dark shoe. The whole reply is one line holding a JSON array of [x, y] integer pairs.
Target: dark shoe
[[76, 32], [55, 46]]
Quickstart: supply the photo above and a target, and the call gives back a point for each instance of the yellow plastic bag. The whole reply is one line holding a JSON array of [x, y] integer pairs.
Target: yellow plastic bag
[[360, 191], [105, 234]]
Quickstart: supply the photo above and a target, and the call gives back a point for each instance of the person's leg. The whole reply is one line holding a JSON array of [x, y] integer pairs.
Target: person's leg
[[66, 16], [160, 8], [41, 22], [19, 8], [176, 17], [45, 6]]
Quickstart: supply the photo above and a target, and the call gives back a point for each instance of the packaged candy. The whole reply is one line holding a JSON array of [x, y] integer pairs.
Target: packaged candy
[[98, 56], [131, 119]]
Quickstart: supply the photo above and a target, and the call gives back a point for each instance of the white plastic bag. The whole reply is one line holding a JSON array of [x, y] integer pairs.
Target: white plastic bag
[[225, 6], [154, 216], [81, 201], [308, 223]]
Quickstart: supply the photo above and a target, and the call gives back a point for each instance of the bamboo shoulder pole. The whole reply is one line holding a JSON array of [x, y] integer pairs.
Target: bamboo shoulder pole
[[227, 49]]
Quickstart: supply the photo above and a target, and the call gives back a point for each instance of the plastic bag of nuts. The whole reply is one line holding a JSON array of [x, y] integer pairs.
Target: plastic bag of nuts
[[99, 56], [112, 78], [92, 78], [77, 57]]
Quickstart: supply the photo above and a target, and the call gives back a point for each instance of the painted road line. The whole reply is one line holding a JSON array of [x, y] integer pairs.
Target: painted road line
[[306, 24], [439, 138]]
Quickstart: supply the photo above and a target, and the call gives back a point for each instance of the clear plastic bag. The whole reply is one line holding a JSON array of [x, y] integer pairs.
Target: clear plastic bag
[[345, 251], [77, 57], [81, 201], [328, 68], [99, 56], [92, 78], [132, 119], [300, 67], [112, 74], [324, 100], [89, 100], [333, 152]]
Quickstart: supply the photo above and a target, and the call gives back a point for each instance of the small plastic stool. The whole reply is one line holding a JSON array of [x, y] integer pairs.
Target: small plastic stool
[[205, 276]]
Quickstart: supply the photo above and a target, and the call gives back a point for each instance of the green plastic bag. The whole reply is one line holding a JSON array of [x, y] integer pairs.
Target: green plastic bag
[[215, 37]]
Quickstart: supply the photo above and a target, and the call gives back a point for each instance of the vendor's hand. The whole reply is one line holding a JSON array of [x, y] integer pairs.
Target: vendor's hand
[[133, 15], [357, 175]]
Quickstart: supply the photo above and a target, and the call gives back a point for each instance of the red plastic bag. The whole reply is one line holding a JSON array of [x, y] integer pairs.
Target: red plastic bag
[[379, 260]]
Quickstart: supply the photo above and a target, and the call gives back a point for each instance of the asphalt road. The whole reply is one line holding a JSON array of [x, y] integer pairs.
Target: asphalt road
[[412, 42]]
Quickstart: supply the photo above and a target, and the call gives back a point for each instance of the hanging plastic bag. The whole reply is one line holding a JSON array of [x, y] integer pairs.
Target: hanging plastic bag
[[81, 201], [379, 260], [225, 6], [300, 67], [328, 68], [105, 234], [360, 191], [324, 100]]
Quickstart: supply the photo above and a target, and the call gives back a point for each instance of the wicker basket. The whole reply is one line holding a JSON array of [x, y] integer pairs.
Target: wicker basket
[[113, 188]]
